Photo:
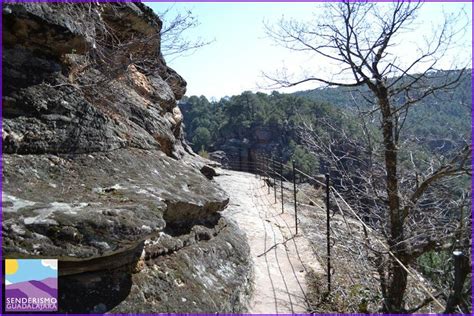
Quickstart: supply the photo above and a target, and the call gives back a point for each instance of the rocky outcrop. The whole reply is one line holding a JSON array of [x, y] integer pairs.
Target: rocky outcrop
[[209, 278], [90, 205], [75, 87], [96, 172], [203, 269]]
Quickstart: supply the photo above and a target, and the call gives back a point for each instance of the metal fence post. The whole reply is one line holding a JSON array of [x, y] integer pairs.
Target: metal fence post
[[268, 175], [294, 196], [461, 270], [281, 186], [274, 179], [240, 161], [328, 234]]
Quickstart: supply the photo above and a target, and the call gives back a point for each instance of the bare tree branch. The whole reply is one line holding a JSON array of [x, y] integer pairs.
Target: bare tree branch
[[408, 207]]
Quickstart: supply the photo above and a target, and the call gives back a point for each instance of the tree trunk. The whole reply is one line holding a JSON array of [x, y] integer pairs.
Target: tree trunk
[[397, 276]]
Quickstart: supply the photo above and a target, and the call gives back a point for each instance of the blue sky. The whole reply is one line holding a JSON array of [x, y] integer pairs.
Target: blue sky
[[241, 50], [31, 269]]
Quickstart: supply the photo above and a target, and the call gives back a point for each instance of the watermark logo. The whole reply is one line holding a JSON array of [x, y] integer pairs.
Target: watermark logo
[[31, 285]]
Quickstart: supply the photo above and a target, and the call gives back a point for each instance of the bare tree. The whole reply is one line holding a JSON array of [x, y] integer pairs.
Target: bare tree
[[173, 41], [407, 203], [111, 46]]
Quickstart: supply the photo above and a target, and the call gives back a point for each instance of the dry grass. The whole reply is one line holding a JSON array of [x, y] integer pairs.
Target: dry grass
[[355, 280]]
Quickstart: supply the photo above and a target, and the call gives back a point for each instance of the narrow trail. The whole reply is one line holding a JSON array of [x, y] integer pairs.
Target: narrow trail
[[281, 260]]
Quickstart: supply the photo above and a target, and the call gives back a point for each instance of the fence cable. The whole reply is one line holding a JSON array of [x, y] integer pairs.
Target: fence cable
[[268, 171], [390, 252]]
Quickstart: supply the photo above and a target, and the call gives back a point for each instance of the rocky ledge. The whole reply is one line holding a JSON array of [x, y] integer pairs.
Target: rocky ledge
[[96, 172]]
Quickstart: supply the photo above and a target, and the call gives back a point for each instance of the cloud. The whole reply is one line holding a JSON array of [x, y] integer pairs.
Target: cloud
[[51, 263], [7, 282]]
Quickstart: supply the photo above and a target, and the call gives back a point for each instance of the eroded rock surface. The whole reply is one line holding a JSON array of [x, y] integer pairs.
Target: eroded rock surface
[[209, 263], [90, 205], [96, 171]]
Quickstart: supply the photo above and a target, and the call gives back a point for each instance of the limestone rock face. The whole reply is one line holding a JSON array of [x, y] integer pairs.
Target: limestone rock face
[[211, 263], [90, 205], [71, 89], [95, 166]]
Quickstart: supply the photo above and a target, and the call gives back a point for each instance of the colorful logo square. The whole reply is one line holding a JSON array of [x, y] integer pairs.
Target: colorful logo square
[[31, 285]]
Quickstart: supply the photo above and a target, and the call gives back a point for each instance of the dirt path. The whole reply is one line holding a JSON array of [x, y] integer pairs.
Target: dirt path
[[280, 259]]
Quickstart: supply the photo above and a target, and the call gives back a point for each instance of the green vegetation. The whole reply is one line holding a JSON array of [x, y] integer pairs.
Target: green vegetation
[[274, 120], [202, 137], [203, 153], [434, 128], [436, 123]]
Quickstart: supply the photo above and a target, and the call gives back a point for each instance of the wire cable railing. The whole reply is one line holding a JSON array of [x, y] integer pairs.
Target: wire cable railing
[[271, 171]]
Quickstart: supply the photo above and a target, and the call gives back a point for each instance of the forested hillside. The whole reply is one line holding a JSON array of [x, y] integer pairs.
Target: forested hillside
[[256, 122], [342, 123], [272, 123], [437, 120]]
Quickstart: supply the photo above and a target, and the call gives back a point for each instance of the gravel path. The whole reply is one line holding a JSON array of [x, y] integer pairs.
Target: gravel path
[[281, 260]]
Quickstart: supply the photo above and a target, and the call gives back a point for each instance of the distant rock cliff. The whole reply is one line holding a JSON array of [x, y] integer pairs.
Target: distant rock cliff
[[96, 172]]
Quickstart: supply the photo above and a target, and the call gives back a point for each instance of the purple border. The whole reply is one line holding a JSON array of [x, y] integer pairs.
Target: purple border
[[1, 160], [171, 1], [472, 166], [225, 1]]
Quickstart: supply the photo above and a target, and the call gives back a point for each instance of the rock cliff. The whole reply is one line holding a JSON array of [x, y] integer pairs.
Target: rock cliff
[[96, 171]]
